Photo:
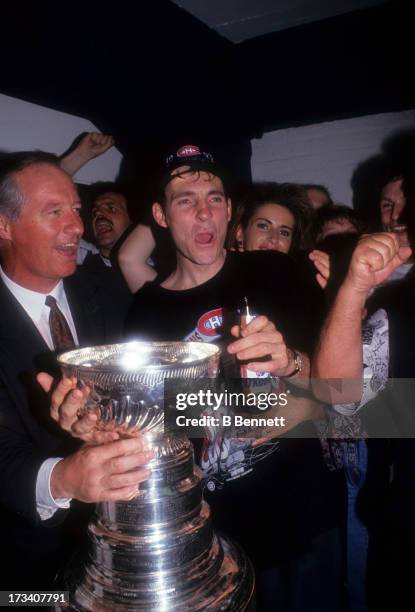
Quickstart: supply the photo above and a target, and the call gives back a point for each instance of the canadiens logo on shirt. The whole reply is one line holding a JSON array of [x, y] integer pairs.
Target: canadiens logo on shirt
[[207, 327]]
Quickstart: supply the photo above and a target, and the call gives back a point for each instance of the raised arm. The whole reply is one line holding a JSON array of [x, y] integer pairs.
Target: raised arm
[[133, 255], [339, 352], [91, 145]]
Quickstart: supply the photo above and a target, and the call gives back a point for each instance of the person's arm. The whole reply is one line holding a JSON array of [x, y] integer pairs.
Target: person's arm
[[91, 474], [90, 146], [339, 354], [45, 503], [108, 472], [260, 338], [133, 256], [297, 411]]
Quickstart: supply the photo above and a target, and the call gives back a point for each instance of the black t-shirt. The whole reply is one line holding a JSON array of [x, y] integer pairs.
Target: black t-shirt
[[272, 498], [269, 280]]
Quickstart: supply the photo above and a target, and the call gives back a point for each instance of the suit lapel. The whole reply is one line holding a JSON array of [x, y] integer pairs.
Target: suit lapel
[[85, 304]]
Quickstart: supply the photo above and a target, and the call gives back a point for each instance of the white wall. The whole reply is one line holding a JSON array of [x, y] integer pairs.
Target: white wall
[[326, 152], [25, 126]]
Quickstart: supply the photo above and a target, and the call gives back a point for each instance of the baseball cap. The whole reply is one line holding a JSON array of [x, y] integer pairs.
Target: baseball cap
[[193, 157]]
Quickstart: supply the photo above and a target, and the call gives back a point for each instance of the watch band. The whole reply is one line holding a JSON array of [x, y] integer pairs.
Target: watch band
[[298, 362]]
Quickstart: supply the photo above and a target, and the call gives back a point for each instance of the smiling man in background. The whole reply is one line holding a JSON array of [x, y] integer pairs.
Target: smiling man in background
[[393, 216]]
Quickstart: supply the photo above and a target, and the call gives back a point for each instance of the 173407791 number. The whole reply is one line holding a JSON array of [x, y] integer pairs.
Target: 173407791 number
[[33, 598]]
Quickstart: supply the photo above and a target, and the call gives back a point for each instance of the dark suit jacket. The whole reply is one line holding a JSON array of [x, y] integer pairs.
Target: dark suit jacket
[[33, 549]]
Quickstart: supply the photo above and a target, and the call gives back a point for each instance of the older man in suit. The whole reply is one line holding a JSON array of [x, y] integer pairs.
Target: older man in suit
[[44, 473]]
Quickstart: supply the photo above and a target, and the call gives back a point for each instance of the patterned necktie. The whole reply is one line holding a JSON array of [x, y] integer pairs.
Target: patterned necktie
[[59, 329]]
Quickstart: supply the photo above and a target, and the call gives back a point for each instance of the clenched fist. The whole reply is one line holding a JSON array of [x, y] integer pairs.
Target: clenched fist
[[94, 144], [90, 146], [373, 261]]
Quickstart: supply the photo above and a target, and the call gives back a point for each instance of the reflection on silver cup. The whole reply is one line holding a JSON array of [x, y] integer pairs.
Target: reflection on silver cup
[[158, 551]]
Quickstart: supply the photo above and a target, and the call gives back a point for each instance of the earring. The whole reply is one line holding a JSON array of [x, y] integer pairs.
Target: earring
[[240, 245]]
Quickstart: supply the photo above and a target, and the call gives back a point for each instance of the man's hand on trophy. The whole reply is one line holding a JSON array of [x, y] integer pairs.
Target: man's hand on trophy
[[109, 472], [67, 402]]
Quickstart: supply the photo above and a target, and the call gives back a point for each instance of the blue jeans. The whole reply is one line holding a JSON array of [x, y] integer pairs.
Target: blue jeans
[[355, 467]]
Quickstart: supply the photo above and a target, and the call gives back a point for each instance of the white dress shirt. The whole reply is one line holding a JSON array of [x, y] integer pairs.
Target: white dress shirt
[[34, 304], [83, 250]]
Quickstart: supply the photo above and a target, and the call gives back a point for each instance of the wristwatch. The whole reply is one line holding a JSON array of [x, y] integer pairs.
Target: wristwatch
[[298, 362]]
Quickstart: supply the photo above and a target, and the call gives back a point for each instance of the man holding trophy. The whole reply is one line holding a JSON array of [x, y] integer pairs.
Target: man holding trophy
[[46, 309], [277, 499]]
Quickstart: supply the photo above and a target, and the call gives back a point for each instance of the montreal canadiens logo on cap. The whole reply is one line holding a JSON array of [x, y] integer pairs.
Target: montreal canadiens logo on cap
[[188, 151]]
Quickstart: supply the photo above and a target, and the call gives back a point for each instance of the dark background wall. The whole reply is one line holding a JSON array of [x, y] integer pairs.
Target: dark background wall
[[155, 77], [351, 65]]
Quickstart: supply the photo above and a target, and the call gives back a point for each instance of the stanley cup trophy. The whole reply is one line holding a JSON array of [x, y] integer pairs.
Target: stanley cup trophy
[[157, 552]]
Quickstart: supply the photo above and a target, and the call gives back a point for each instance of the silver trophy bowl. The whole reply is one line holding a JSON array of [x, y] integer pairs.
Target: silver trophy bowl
[[157, 551]]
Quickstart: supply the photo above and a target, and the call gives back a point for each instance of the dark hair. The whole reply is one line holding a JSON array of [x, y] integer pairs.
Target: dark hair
[[161, 182], [321, 188], [11, 198], [289, 195], [95, 190], [368, 181], [335, 213]]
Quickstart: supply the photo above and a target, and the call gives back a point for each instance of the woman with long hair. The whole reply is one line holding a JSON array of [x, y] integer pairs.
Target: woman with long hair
[[273, 217]]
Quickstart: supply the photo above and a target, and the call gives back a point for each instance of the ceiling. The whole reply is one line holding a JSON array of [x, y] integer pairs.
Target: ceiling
[[156, 77], [239, 20]]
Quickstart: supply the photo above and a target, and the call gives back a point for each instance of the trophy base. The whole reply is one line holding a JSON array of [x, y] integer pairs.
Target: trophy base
[[229, 586]]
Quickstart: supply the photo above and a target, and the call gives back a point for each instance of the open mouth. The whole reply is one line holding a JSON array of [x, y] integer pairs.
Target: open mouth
[[204, 238], [398, 229], [102, 226], [401, 232], [69, 249]]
